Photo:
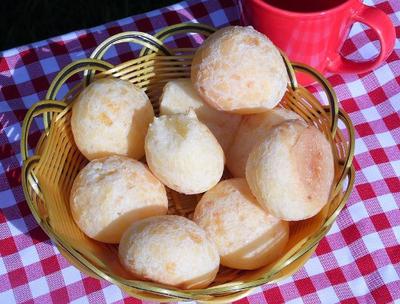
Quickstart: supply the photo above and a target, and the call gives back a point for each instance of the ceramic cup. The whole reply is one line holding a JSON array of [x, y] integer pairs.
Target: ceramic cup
[[313, 32]]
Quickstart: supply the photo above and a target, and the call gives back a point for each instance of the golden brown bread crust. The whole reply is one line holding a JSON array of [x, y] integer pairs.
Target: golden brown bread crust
[[171, 250], [109, 194], [111, 116], [247, 236], [238, 69], [291, 172]]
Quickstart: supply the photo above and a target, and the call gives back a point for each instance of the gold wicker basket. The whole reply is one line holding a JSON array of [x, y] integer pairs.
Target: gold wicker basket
[[48, 174]]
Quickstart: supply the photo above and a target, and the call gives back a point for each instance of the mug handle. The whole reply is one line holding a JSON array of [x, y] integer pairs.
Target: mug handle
[[384, 28]]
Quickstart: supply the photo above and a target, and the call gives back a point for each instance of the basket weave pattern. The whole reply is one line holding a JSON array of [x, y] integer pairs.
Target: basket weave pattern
[[48, 174]]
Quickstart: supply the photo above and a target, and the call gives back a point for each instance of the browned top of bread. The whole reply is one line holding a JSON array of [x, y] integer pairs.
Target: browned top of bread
[[292, 170]]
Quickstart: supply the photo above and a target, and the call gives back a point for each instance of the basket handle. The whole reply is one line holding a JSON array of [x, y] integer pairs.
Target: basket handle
[[140, 38], [29, 179], [144, 39], [180, 28], [348, 159], [330, 93], [39, 108]]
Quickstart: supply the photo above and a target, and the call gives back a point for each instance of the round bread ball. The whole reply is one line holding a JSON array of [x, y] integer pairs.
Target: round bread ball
[[240, 70], [252, 130], [183, 153], [111, 193], [171, 250], [111, 116], [291, 172], [179, 96], [247, 236]]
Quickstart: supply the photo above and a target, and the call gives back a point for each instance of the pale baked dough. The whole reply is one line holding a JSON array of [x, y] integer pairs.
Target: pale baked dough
[[291, 172], [179, 96], [246, 236], [252, 130], [111, 193], [111, 116], [183, 153], [240, 70], [171, 250]]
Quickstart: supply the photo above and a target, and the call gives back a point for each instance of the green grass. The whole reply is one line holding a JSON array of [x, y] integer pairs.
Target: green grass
[[25, 21]]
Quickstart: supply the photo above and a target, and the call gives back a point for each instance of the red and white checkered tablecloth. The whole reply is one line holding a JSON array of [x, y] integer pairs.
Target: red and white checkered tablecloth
[[357, 262]]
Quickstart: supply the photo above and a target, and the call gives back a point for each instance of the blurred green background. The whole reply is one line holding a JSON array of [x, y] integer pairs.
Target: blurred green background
[[25, 21]]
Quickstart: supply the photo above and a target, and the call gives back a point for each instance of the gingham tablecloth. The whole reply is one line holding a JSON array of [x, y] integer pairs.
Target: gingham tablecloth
[[358, 261]]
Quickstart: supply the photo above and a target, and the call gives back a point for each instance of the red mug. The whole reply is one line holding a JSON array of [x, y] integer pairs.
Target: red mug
[[313, 32]]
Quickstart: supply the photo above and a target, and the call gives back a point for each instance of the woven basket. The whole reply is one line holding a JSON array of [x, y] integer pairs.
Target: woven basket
[[49, 173]]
